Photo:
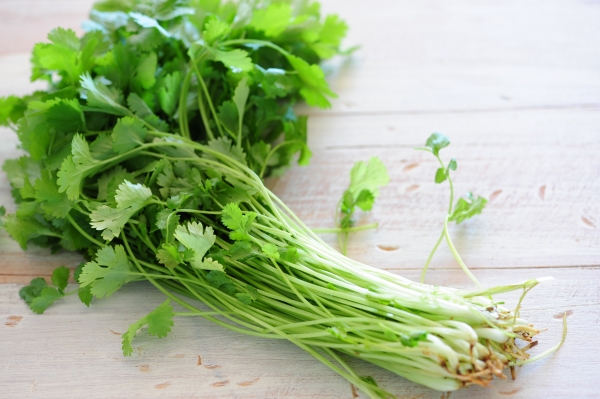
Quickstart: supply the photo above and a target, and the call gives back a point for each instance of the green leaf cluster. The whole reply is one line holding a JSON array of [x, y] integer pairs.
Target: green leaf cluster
[[366, 178]]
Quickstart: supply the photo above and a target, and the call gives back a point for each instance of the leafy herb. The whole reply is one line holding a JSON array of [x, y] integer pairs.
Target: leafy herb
[[366, 178], [462, 210], [146, 155]]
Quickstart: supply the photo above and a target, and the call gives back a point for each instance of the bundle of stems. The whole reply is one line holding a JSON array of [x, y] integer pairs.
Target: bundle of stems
[[291, 285]]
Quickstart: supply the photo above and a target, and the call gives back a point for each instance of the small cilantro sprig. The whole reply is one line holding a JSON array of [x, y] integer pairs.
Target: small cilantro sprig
[[39, 296], [159, 323], [464, 208], [366, 178]]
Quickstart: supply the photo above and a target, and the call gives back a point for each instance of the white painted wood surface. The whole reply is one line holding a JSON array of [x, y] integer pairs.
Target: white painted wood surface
[[515, 84]]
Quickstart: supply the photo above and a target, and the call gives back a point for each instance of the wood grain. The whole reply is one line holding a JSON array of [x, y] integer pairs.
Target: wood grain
[[73, 351], [515, 85]]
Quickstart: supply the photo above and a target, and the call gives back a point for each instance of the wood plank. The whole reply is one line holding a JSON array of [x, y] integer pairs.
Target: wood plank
[[79, 351], [538, 168], [467, 55], [424, 56], [513, 83]]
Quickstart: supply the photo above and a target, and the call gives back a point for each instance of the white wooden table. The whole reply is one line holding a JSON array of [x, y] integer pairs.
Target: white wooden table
[[514, 84]]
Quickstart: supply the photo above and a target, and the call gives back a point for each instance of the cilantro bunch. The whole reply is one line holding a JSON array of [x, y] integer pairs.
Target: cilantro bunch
[[210, 71], [147, 154]]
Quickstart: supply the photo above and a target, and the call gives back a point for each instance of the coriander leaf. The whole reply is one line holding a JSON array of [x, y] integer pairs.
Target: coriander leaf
[[27, 190], [23, 230], [65, 116], [17, 169], [47, 296], [436, 142], [147, 22], [168, 94], [289, 254], [330, 36], [60, 277], [274, 82], [365, 200], [127, 134], [143, 111], [177, 201], [369, 176], [130, 198], [221, 281], [315, 86], [108, 273], [106, 99], [452, 164], [240, 250], [210, 264], [224, 146], [467, 208], [33, 290], [240, 96], [145, 71], [102, 148], [233, 218], [33, 130], [59, 55], [249, 295], [85, 295], [169, 256], [167, 221], [9, 110], [237, 60], [76, 167], [215, 29], [271, 251], [146, 39], [229, 117], [109, 182], [194, 237], [273, 20], [333, 30], [53, 202], [244, 298], [130, 194], [414, 338], [440, 175], [159, 322]]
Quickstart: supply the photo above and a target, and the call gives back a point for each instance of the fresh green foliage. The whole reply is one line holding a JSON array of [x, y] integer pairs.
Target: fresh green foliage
[[60, 277], [159, 323], [366, 178], [466, 208], [38, 295], [462, 210], [108, 273], [146, 154], [237, 222]]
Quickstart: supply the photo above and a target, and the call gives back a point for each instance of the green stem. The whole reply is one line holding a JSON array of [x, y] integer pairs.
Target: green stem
[[184, 128], [208, 99], [205, 120], [430, 257], [270, 154], [457, 256], [83, 232], [450, 205]]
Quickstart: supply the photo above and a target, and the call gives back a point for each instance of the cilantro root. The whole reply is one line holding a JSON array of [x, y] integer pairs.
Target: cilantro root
[[146, 154]]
